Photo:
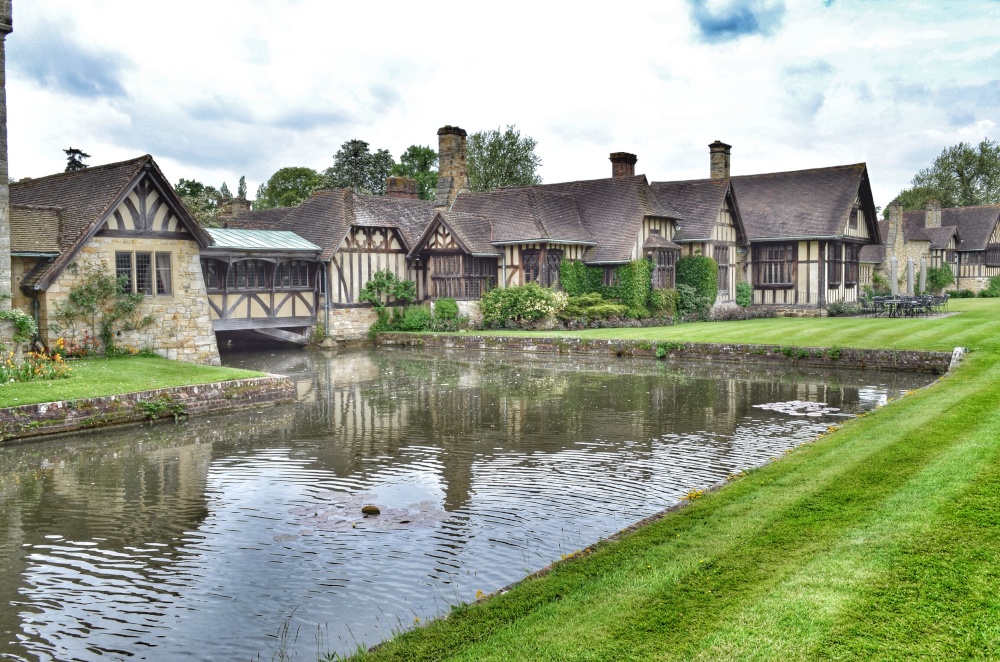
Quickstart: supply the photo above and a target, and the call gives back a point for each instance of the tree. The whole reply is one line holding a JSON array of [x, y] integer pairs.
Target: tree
[[287, 188], [497, 159], [241, 190], [224, 191], [420, 163], [201, 201], [963, 175], [355, 167], [74, 159]]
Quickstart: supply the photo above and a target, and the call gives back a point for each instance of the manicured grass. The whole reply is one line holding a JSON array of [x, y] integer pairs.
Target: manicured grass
[[93, 378], [878, 541]]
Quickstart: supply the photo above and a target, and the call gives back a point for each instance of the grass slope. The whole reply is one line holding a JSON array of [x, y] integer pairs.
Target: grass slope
[[878, 541], [94, 378]]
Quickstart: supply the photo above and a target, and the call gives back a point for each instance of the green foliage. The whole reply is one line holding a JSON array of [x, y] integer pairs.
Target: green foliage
[[664, 302], [224, 192], [962, 175], [939, 278], [576, 278], [155, 408], [287, 187], [357, 168], [666, 347], [962, 294], [587, 308], [632, 287], [74, 159], [241, 189], [744, 294], [496, 159], [690, 302], [101, 303], [446, 309], [35, 366], [420, 163], [201, 201], [839, 308], [519, 305], [385, 287], [25, 328], [411, 318], [701, 273], [993, 291]]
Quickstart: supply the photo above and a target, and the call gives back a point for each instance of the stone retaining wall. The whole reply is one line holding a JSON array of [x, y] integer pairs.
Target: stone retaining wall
[[856, 359], [27, 421]]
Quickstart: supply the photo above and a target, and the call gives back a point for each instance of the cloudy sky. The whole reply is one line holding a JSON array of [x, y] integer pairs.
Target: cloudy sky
[[215, 89]]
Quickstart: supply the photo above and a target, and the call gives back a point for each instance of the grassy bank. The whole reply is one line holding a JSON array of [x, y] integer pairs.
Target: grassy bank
[[92, 378], [879, 541]]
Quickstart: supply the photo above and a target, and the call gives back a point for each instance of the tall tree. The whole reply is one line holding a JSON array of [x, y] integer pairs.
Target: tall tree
[[963, 175], [419, 162], [224, 191], [74, 159], [200, 200], [241, 190], [501, 158], [287, 187], [356, 167]]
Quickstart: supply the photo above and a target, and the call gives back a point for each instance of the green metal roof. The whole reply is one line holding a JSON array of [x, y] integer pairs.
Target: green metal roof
[[259, 240]]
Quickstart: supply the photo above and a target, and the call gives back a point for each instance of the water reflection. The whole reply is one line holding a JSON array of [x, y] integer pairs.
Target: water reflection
[[197, 540]]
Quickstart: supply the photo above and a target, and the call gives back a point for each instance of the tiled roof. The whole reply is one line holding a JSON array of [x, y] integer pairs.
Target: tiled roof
[[802, 203], [531, 213], [257, 219], [409, 216], [875, 252], [474, 232], [698, 202], [84, 198], [259, 240], [34, 229], [975, 224], [612, 211]]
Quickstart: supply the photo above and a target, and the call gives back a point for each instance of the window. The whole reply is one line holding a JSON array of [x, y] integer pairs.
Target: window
[[852, 266], [993, 255], [248, 275], [721, 256], [541, 266], [852, 222], [531, 262], [292, 275], [664, 260], [211, 269], [834, 263], [773, 265], [139, 273], [462, 276]]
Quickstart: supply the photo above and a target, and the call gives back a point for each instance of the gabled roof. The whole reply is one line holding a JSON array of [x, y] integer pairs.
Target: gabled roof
[[975, 224], [326, 217], [612, 211], [875, 253], [914, 230], [804, 204], [259, 240], [699, 201], [474, 234], [84, 198], [531, 213]]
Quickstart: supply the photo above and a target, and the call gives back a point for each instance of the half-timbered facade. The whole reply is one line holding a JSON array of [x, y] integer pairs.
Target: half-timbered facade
[[710, 225], [264, 282], [805, 231], [125, 218]]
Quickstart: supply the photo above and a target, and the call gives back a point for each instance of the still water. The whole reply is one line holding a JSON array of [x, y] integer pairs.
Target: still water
[[205, 540]]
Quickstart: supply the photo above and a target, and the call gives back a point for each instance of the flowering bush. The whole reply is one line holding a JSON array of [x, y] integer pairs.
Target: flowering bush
[[34, 366], [87, 346], [517, 306]]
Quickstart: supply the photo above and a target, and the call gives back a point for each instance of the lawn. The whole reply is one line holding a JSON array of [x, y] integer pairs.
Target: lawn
[[93, 378], [880, 540]]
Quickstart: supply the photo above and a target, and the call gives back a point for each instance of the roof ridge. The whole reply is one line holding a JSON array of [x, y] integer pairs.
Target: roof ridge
[[844, 166], [82, 171]]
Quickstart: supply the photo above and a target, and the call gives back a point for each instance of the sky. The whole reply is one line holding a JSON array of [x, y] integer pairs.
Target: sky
[[216, 89]]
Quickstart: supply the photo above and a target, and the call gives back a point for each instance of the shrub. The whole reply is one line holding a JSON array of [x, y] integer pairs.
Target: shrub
[[411, 318], [385, 286], [516, 306], [840, 308], [731, 314], [663, 302], [576, 278], [993, 291], [587, 308], [632, 287], [701, 273], [446, 309], [744, 294], [939, 278], [691, 302], [962, 294]]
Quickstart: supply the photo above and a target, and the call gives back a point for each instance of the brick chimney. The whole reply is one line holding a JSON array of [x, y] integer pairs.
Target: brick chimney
[[402, 187], [452, 174], [932, 214], [623, 164], [229, 207], [719, 159]]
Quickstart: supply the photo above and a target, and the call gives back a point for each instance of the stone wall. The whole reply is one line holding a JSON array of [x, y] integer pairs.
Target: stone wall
[[182, 329], [818, 357], [350, 323], [89, 413]]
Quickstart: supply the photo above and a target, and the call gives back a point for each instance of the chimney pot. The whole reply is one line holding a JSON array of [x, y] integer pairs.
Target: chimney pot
[[719, 159], [622, 164]]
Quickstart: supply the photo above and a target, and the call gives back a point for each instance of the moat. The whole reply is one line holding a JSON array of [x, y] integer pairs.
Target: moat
[[206, 539]]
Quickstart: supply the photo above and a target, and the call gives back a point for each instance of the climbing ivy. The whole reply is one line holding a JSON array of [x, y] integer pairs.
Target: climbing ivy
[[701, 273], [632, 287], [578, 279]]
